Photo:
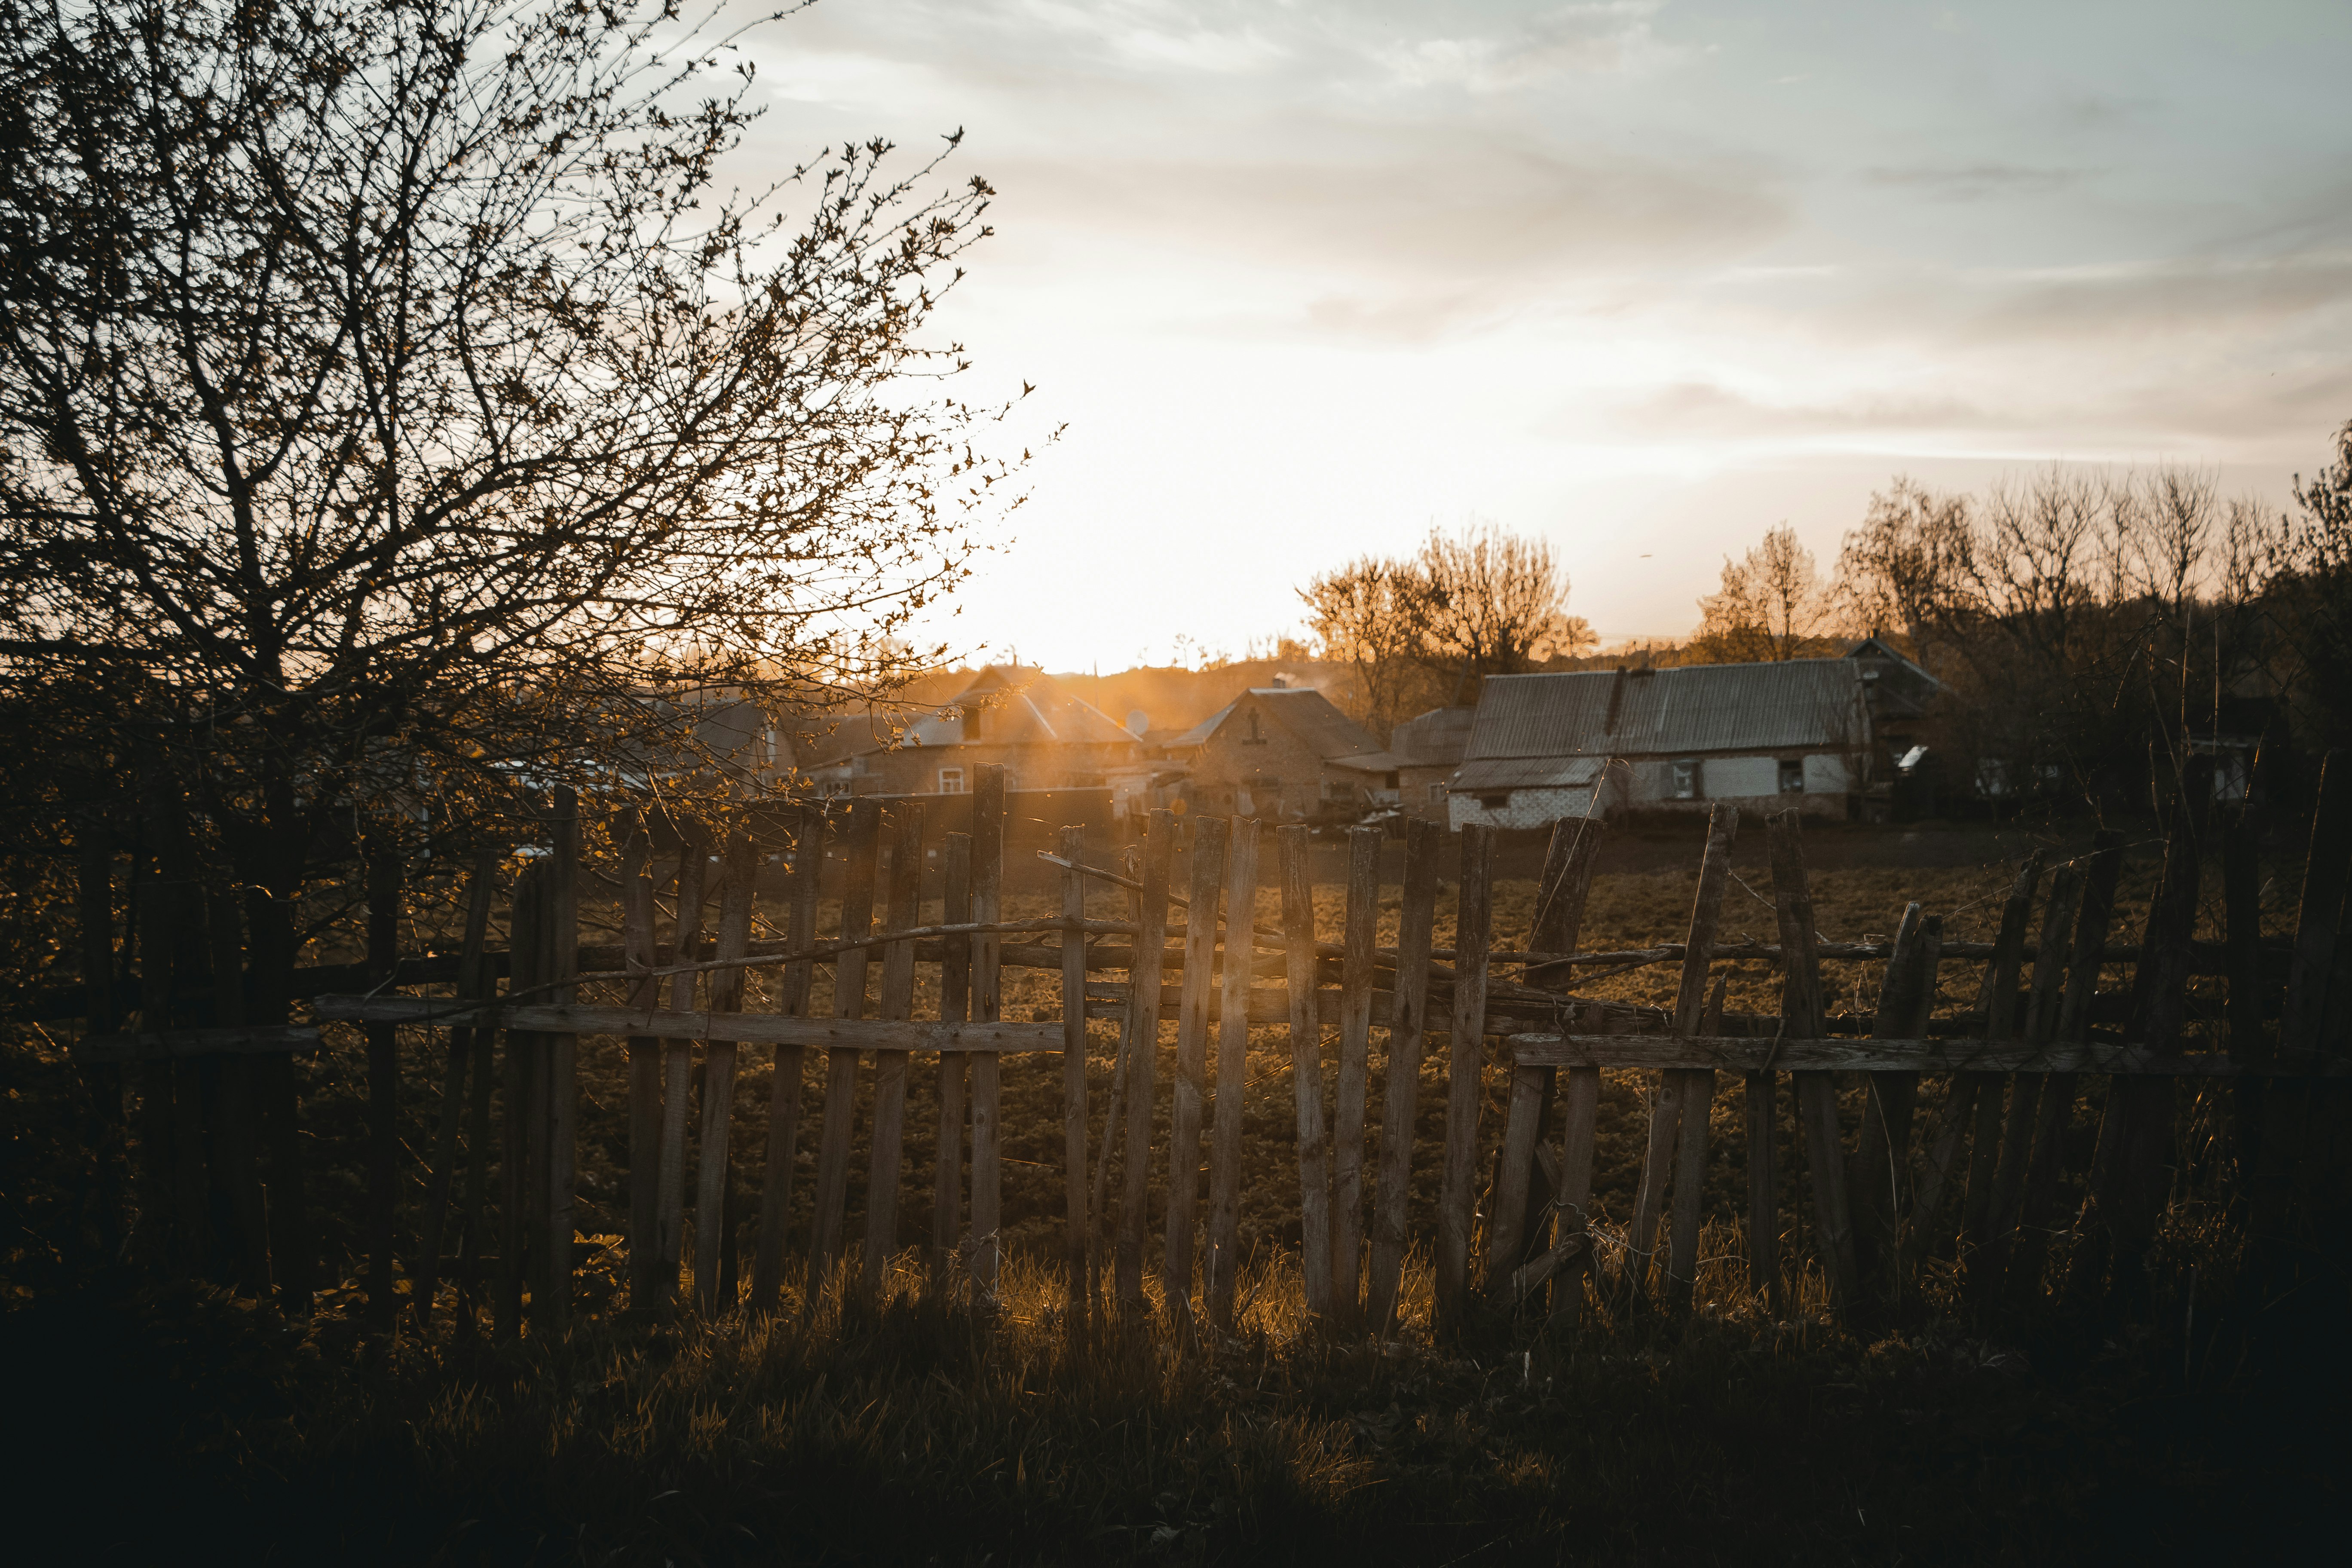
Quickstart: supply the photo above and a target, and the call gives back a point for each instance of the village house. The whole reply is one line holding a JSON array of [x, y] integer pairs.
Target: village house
[[1283, 754], [1819, 734], [1044, 738]]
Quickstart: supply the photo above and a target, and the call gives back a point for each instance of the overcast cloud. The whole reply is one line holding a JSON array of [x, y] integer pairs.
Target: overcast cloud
[[1644, 277]]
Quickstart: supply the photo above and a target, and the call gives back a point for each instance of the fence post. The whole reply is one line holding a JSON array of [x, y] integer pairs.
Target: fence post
[[955, 1007], [560, 961], [677, 1063], [1975, 1113], [784, 1088], [1408, 1025], [738, 892], [2127, 1180], [515, 1156], [1142, 1052], [463, 1038], [1073, 847], [482, 986], [640, 956], [1801, 1016], [1233, 1072], [1357, 963], [1292, 846], [1208, 866], [888, 1149], [236, 1130], [1466, 1051], [862, 845], [382, 884], [987, 1005]]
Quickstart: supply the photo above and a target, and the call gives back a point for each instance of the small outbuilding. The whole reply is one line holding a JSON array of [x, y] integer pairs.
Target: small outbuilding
[[1045, 738], [1808, 733]]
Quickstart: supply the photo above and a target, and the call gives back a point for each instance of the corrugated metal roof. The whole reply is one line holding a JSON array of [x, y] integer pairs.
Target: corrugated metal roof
[[1529, 773], [1690, 710], [1541, 715]]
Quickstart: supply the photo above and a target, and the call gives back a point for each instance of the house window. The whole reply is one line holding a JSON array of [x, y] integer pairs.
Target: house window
[[1256, 737], [1685, 781], [1437, 794], [1793, 775], [1388, 781], [950, 781], [971, 723], [1495, 802]]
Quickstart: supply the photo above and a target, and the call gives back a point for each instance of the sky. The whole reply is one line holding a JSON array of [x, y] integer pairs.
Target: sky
[[1304, 279]]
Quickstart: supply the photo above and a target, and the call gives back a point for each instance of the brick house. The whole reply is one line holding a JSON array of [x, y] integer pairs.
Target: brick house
[[1045, 738], [1284, 753]]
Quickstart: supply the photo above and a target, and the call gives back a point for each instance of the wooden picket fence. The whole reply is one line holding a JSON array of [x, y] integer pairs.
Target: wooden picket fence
[[1977, 1174]]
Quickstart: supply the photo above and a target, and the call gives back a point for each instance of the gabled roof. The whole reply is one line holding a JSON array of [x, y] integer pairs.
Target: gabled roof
[[1689, 710], [1435, 738], [1312, 718], [1022, 707]]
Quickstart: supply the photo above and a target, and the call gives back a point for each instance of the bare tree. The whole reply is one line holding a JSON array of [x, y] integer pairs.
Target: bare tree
[[391, 401], [1772, 605], [1486, 602], [1354, 615]]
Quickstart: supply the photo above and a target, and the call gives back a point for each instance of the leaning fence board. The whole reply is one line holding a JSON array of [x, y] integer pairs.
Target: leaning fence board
[[677, 1064], [2319, 914], [710, 1238], [1208, 866], [1579, 1136], [1294, 847], [1698, 1083], [1874, 1177], [1355, 1021], [1232, 1082], [2025, 1091], [560, 936], [1569, 861], [383, 888], [1402, 1071], [1466, 1048], [1982, 1108], [1801, 1015]]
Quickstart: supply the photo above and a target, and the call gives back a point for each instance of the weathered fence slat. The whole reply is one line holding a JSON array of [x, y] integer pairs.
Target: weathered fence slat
[[677, 1067], [1698, 1083], [236, 1130], [888, 1140], [955, 1068], [1208, 866], [1569, 861], [560, 936], [987, 1003], [1801, 1015], [640, 954], [1690, 1164], [1678, 1086], [862, 845], [1872, 1180], [2025, 1091], [1579, 1135], [1465, 1043], [1402, 1072], [382, 886], [1362, 935], [2045, 1165], [1293, 846], [711, 1241], [1073, 845], [1233, 1077], [1143, 1053], [1942, 1054], [514, 1160], [1974, 1111], [462, 1045], [747, 1029]]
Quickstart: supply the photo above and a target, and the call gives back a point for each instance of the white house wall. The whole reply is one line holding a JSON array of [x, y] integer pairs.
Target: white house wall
[[1527, 808]]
